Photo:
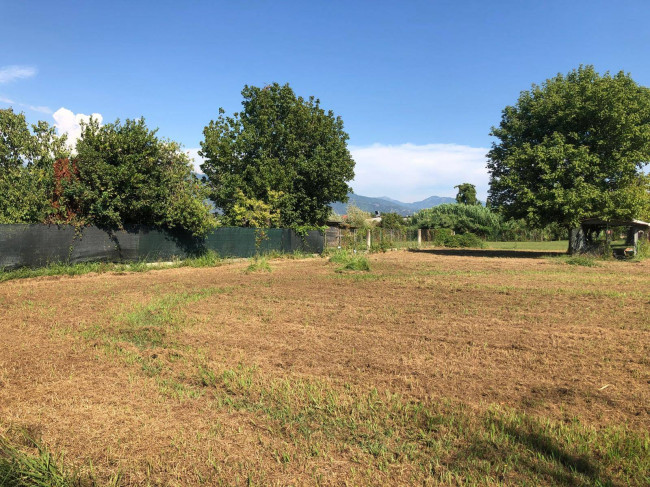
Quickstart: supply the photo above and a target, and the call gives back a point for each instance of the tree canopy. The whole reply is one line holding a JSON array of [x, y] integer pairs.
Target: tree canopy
[[392, 220], [467, 194], [26, 165], [572, 148], [282, 150], [127, 175], [476, 219], [121, 174]]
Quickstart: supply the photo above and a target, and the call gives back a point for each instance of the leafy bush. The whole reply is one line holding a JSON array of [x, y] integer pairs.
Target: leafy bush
[[127, 175], [26, 175], [392, 220], [444, 237], [356, 217]]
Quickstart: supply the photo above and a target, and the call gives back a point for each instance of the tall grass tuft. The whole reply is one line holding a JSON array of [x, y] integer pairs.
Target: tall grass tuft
[[350, 261], [18, 469], [258, 264]]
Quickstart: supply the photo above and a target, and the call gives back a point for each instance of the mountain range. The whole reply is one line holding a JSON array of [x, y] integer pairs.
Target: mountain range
[[384, 204]]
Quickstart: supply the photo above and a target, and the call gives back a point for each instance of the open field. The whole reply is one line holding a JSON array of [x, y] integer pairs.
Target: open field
[[435, 367]]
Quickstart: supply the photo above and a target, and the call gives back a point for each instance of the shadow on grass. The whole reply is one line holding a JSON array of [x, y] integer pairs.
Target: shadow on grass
[[537, 452], [515, 254]]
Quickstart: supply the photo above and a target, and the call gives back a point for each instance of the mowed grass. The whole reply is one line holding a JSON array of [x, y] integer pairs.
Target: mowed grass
[[438, 370], [554, 245], [206, 259]]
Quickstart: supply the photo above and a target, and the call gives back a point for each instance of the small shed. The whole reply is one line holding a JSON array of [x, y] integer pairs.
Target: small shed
[[622, 236]]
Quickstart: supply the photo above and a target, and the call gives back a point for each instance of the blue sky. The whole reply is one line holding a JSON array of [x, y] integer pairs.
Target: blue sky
[[418, 84]]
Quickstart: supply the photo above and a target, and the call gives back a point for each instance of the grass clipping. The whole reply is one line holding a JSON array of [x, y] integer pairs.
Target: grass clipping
[[350, 261]]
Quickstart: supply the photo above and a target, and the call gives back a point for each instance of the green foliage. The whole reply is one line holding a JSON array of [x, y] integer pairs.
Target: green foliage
[[251, 212], [278, 143], [467, 194], [26, 160], [127, 175], [123, 175], [392, 221], [350, 261], [356, 217], [572, 148], [444, 237], [461, 218]]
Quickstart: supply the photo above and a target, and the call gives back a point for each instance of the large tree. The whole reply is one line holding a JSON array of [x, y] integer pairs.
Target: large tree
[[282, 150], [572, 148], [467, 194], [26, 160], [125, 175]]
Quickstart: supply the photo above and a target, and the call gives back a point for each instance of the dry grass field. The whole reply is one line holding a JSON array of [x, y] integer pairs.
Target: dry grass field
[[435, 367]]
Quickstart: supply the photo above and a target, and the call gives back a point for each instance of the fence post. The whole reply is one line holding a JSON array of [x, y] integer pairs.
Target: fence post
[[419, 237], [368, 239]]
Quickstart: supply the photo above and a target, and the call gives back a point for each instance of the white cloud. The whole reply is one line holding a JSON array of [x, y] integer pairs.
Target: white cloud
[[195, 158], [67, 122], [6, 100], [410, 172], [39, 108], [11, 73]]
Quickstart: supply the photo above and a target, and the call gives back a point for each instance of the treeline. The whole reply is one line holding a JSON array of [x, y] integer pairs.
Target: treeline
[[463, 219], [280, 162], [119, 174]]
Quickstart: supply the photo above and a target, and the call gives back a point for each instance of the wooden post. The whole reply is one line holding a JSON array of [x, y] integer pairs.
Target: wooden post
[[368, 239], [419, 237]]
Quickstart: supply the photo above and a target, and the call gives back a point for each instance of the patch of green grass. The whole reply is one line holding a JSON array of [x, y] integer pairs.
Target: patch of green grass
[[40, 468], [443, 441], [258, 264], [350, 261], [207, 259], [18, 469], [577, 260], [298, 254], [147, 325], [561, 245]]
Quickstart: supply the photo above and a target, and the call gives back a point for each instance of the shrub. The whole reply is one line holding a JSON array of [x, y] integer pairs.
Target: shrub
[[443, 237], [459, 218]]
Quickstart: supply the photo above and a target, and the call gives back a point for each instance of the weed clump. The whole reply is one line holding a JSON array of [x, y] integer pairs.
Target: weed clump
[[19, 469], [258, 264], [350, 261], [209, 258]]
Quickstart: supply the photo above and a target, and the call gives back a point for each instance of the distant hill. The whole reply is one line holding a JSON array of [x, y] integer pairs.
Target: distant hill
[[384, 204]]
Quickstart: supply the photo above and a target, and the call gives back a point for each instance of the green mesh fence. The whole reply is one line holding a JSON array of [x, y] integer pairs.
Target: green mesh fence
[[39, 245]]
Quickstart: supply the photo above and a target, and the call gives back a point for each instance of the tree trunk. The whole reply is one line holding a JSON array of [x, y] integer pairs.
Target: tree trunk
[[577, 241]]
